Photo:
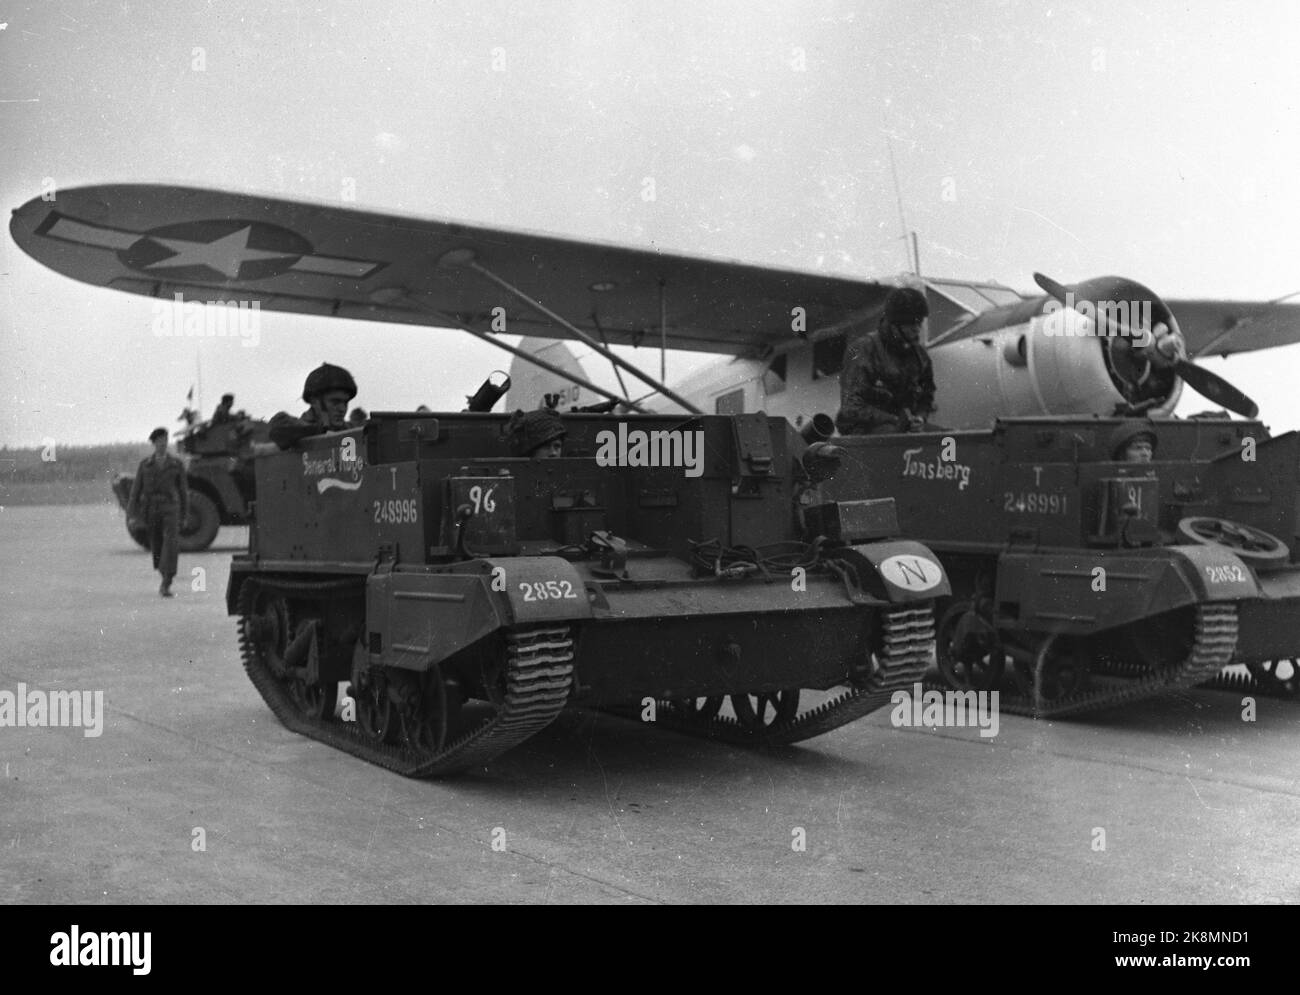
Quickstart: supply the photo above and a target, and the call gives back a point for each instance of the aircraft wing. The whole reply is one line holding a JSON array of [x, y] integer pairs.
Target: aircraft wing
[[330, 260], [1221, 328]]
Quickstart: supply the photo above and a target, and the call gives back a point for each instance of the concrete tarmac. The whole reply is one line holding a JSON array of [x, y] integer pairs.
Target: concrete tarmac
[[1191, 802]]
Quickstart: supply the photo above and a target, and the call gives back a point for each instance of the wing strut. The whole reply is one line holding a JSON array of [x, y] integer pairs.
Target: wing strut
[[450, 322], [464, 257], [595, 320]]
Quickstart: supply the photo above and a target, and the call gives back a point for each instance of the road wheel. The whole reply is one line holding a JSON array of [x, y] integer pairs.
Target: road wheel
[[1279, 677], [752, 710], [968, 650], [200, 528]]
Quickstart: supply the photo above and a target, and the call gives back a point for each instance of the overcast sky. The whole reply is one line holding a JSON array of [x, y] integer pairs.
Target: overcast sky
[[1077, 139]]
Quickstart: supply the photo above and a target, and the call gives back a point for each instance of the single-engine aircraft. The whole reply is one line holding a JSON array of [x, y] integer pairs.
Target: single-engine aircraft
[[1103, 346]]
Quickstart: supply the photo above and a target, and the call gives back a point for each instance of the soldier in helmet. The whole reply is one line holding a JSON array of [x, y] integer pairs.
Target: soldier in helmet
[[328, 390], [161, 499], [537, 433], [1133, 443], [888, 380]]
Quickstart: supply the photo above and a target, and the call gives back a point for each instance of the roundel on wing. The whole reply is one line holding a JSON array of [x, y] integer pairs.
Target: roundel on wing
[[228, 247]]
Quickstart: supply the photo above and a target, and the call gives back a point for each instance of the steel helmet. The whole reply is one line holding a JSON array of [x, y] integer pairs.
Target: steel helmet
[[905, 306], [325, 378], [527, 431]]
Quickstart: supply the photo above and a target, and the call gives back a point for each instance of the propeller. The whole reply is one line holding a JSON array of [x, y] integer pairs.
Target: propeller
[[1167, 350]]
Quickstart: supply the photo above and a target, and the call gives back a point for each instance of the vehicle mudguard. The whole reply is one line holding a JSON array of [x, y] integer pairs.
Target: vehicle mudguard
[[538, 588], [1216, 573], [217, 476], [1091, 591], [413, 617], [897, 570]]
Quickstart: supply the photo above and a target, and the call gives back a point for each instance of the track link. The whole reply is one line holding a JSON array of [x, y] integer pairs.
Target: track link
[[538, 676], [907, 648], [1213, 645], [1240, 680]]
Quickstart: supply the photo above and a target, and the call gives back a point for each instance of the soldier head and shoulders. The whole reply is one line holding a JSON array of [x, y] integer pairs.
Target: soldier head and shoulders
[[901, 324], [887, 382], [1133, 442], [538, 434], [223, 413], [160, 457], [328, 390]]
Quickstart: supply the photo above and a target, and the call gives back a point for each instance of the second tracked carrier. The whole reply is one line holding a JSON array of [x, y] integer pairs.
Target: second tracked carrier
[[1080, 581], [468, 595]]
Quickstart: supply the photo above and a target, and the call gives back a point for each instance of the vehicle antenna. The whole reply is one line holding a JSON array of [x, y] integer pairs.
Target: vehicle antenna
[[915, 259]]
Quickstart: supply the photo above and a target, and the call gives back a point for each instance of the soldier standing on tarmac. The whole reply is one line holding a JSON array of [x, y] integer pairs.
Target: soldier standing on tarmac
[[328, 390], [888, 381], [160, 497]]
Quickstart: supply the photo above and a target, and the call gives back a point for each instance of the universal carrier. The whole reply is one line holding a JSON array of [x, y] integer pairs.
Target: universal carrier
[[1079, 581], [468, 596]]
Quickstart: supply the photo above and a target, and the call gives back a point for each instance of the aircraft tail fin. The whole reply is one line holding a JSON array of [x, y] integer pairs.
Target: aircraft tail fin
[[529, 384]]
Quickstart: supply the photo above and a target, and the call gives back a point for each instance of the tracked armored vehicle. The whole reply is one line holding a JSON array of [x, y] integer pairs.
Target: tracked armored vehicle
[[467, 595], [219, 471], [1081, 582]]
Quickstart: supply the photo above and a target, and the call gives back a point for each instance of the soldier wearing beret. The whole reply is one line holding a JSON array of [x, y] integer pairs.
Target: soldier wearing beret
[[161, 499], [888, 381], [328, 390]]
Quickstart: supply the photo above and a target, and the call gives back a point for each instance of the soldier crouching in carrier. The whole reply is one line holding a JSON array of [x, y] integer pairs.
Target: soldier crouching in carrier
[[1133, 443], [328, 390], [161, 499], [888, 381], [538, 434]]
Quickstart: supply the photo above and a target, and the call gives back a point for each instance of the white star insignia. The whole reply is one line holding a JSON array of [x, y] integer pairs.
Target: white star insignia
[[225, 255]]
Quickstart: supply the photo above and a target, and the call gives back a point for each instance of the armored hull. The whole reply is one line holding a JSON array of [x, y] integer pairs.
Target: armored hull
[[1080, 582], [466, 596]]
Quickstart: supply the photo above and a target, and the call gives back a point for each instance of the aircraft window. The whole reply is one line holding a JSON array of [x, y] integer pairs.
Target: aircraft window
[[730, 404], [1001, 295], [828, 357], [774, 375], [967, 297]]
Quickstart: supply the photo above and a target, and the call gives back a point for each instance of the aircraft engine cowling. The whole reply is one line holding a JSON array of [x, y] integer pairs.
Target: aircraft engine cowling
[[1040, 358]]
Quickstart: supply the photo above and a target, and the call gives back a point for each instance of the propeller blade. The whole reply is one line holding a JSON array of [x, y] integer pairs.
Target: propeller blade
[[1209, 385], [1215, 388], [1050, 287], [1115, 329]]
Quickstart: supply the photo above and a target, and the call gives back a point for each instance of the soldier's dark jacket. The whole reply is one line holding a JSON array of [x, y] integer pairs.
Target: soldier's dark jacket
[[159, 483], [285, 429], [877, 384]]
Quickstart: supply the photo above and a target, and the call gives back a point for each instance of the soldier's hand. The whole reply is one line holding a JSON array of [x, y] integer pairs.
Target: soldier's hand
[[915, 423]]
